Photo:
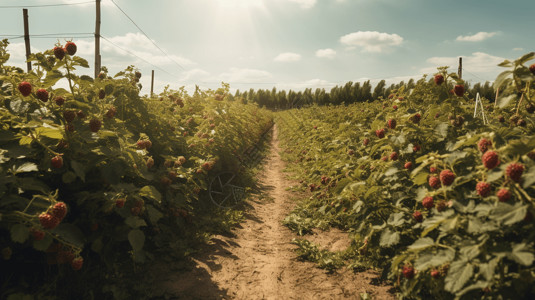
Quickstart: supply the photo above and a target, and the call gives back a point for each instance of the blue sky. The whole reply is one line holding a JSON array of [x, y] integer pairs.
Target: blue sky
[[284, 43]]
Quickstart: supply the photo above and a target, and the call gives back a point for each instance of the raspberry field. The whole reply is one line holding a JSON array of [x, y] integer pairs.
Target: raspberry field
[[100, 184]]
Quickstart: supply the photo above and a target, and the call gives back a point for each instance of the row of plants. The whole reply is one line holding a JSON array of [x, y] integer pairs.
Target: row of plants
[[95, 179], [437, 198]]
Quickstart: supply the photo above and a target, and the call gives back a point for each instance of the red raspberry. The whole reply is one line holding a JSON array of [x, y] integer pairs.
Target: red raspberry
[[69, 115], [395, 107], [521, 122], [415, 118], [119, 203], [437, 115], [418, 216], [77, 263], [315, 127], [531, 155], [80, 114], [69, 127], [435, 274], [490, 159], [501, 119], [483, 189], [365, 142], [447, 177], [484, 145], [59, 100], [408, 272], [532, 69], [56, 162], [434, 182], [503, 195], [141, 144], [408, 165], [25, 88], [428, 202], [111, 112], [48, 221], [514, 171], [459, 90], [135, 210], [63, 257], [101, 75], [350, 152], [394, 156], [37, 234], [207, 166], [150, 162], [384, 158], [416, 148], [59, 52], [42, 95], [380, 133], [392, 124], [432, 169], [59, 210], [95, 125], [70, 47], [101, 94], [441, 205], [439, 79]]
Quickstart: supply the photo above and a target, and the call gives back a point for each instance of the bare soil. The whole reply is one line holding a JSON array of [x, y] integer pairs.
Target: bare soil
[[259, 261]]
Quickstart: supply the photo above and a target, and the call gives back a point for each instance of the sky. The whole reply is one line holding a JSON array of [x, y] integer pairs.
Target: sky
[[287, 44]]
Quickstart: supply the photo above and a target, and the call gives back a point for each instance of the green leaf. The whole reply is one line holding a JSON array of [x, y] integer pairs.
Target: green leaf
[[506, 63], [526, 57], [19, 106], [421, 244], [26, 167], [136, 238], [509, 214], [504, 101], [442, 130], [52, 77], [43, 244], [529, 178], [522, 254], [421, 178], [501, 78], [391, 171], [389, 238], [459, 274], [430, 259], [50, 132], [71, 233], [80, 61], [396, 219], [87, 78], [68, 177], [150, 192], [97, 245], [154, 214], [78, 169], [135, 222], [19, 233]]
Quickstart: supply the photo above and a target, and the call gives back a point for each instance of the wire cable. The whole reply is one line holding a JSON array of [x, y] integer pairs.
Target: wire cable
[[147, 36], [46, 5]]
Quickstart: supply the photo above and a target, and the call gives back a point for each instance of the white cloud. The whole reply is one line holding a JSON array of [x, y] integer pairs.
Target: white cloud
[[478, 62], [326, 53], [194, 75], [305, 4], [287, 57], [478, 37], [518, 49], [240, 75], [371, 41]]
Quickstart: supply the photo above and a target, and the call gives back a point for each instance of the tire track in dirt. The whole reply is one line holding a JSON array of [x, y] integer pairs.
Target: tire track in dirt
[[259, 261]]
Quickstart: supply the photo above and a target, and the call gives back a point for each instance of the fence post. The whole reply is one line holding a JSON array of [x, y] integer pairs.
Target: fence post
[[27, 38]]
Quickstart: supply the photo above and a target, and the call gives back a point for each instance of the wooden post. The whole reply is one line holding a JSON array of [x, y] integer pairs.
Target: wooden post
[[152, 84], [460, 70], [27, 38], [97, 40]]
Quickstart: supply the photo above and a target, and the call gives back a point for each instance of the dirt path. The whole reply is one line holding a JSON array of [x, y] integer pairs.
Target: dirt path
[[259, 262]]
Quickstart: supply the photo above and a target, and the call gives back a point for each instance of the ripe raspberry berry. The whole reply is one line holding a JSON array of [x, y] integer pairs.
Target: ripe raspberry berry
[[380, 133], [435, 274], [521, 122], [42, 95], [80, 114], [150, 162], [48, 221], [140, 144], [428, 202], [432, 169], [483, 189], [138, 74], [503, 195], [207, 166], [384, 158], [501, 119], [415, 118], [56, 162], [59, 53], [70, 47], [392, 123], [447, 177], [69, 115], [25, 88], [119, 203], [416, 148], [101, 75], [434, 182], [77, 263], [135, 211], [59, 100], [408, 165], [315, 127], [95, 125], [59, 210], [350, 152], [532, 69], [101, 94], [418, 216], [490, 159], [437, 115], [395, 107], [484, 145], [439, 79], [514, 171], [408, 272], [111, 112], [441, 205], [459, 90], [531, 155], [394, 156], [365, 142], [37, 234]]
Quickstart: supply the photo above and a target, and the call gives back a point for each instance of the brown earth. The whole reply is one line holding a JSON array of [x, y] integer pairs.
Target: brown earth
[[259, 261]]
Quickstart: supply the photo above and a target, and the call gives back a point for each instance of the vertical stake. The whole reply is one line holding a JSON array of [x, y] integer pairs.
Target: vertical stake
[[460, 70], [97, 39], [27, 38], [152, 84]]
